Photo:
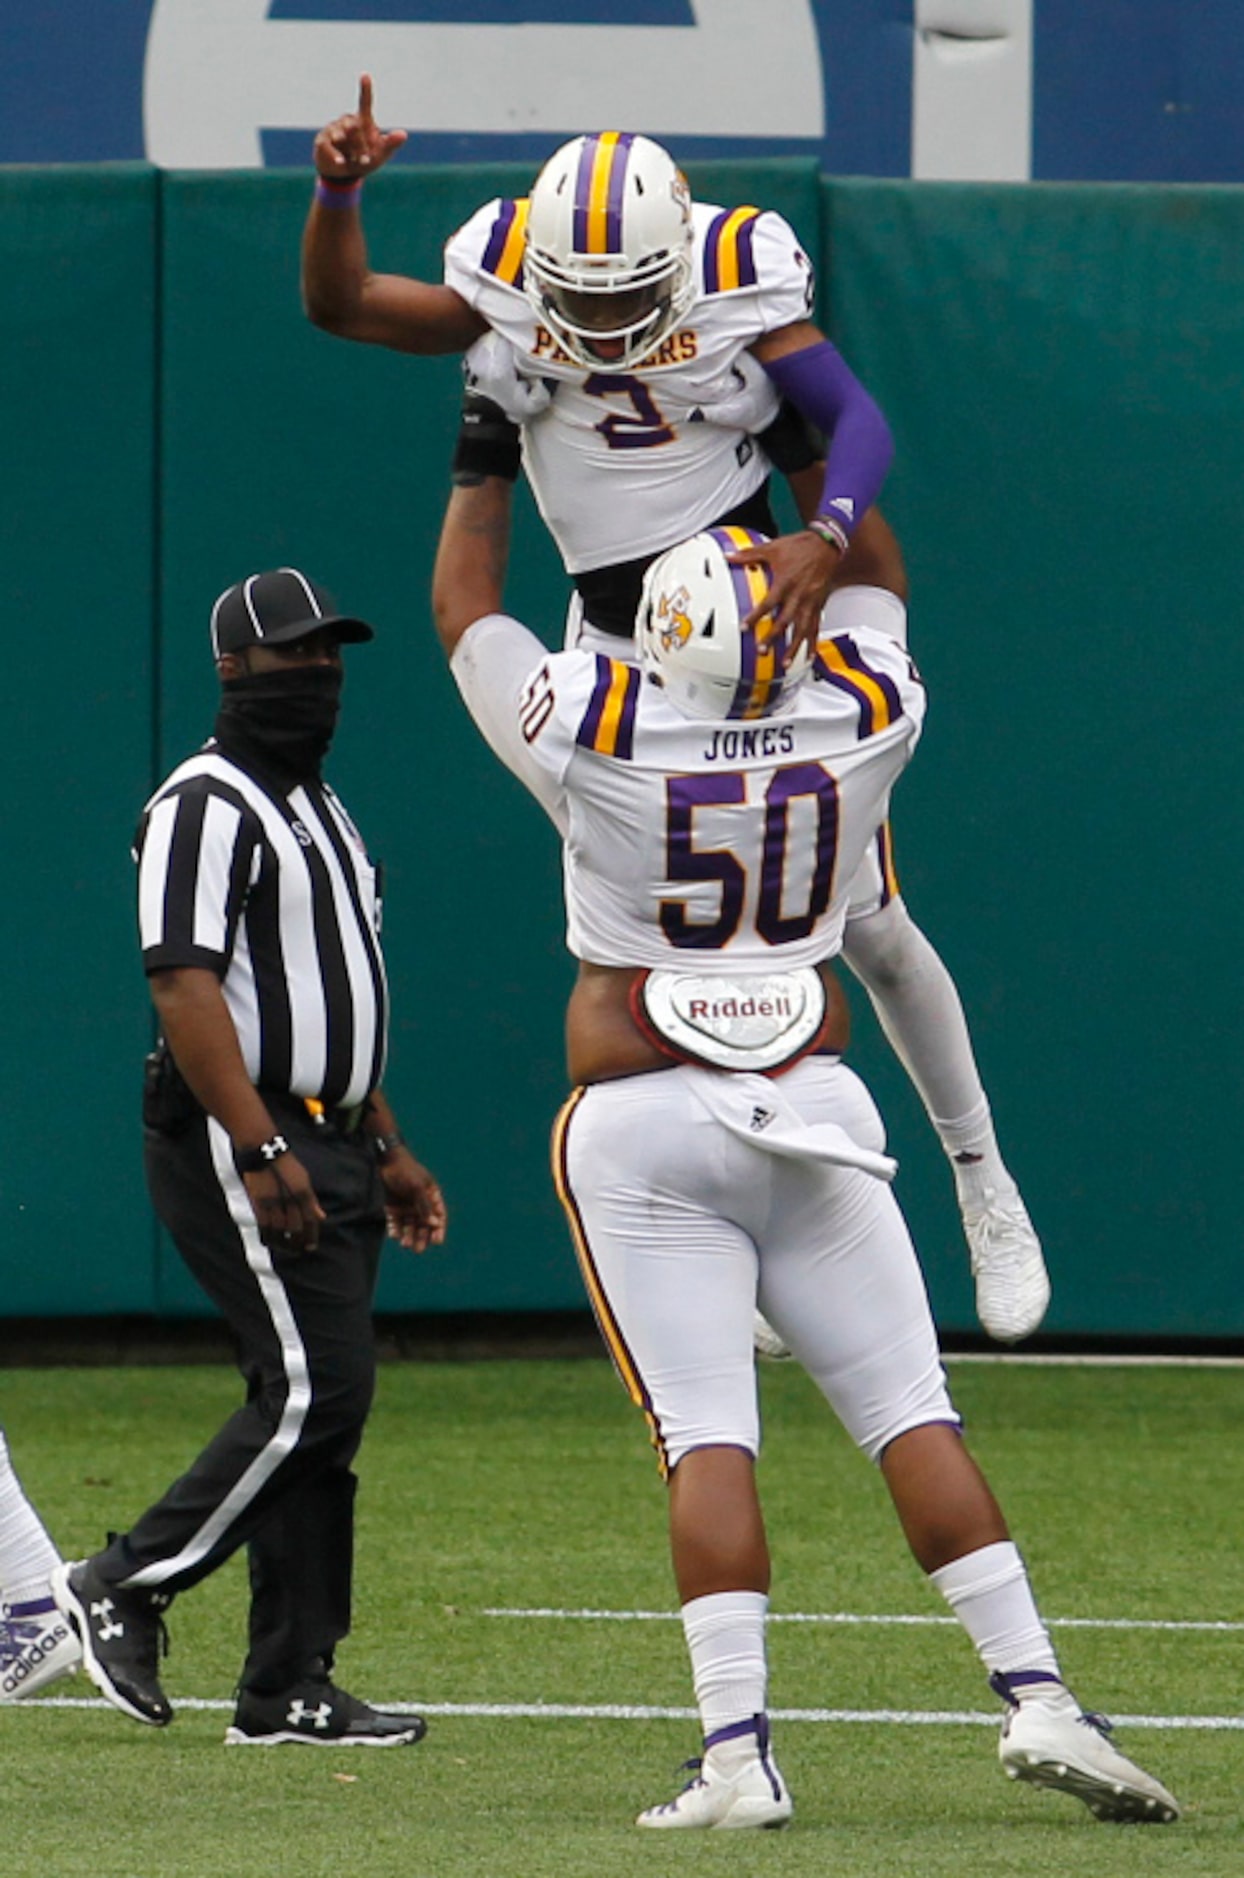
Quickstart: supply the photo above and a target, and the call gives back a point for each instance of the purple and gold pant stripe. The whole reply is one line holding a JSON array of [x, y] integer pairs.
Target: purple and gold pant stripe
[[760, 666], [885, 860], [608, 725], [503, 257], [615, 1342], [729, 262], [839, 661], [598, 192]]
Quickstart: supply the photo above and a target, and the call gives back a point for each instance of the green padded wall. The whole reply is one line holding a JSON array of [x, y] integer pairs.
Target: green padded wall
[[77, 387], [1063, 371]]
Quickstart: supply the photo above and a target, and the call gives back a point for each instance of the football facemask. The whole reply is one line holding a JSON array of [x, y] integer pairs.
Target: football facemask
[[608, 259], [693, 639]]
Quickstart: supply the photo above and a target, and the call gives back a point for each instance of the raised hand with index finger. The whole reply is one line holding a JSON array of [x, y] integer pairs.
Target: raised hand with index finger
[[353, 146]]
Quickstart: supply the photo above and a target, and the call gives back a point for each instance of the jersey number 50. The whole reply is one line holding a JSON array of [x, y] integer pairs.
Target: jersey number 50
[[777, 851]]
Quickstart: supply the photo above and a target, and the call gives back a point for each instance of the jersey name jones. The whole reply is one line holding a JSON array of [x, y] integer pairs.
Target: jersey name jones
[[730, 746]]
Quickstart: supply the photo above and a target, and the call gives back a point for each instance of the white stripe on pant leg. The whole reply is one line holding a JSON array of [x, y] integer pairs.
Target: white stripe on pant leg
[[294, 1359]]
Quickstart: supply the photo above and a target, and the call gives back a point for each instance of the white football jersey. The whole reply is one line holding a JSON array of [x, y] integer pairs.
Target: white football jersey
[[717, 844], [624, 464]]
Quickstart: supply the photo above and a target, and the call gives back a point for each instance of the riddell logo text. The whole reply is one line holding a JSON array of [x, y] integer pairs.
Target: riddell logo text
[[706, 1009]]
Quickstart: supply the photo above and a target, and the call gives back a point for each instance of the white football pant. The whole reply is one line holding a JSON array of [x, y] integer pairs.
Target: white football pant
[[682, 1228]]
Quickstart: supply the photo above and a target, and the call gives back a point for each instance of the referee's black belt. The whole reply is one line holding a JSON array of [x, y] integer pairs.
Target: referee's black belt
[[344, 1121]]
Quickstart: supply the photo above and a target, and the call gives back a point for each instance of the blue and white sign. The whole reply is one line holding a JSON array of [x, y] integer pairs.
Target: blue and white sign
[[970, 89]]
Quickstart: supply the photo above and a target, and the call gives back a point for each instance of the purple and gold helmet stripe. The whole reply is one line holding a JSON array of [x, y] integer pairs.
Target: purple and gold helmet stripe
[[598, 192], [610, 1330], [880, 705], [503, 257], [608, 725], [729, 262], [760, 666]]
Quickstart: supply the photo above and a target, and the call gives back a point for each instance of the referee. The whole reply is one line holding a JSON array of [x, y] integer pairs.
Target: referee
[[273, 1159]]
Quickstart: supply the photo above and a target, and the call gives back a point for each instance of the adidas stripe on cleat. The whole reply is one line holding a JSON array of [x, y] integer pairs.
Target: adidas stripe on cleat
[[727, 1792], [37, 1647]]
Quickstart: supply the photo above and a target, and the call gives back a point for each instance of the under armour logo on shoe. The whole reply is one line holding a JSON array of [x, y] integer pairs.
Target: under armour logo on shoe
[[761, 1117], [105, 1627], [300, 1713]]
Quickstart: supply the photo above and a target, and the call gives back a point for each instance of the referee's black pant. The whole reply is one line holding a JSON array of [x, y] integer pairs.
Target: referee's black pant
[[277, 1476]]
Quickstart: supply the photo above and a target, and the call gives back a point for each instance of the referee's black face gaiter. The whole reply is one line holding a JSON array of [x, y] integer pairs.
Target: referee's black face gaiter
[[288, 715]]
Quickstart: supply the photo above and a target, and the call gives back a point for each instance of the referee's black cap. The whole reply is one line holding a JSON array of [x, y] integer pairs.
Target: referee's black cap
[[271, 609]]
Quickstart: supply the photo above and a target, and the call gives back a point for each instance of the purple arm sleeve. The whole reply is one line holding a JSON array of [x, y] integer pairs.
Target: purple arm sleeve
[[819, 380]]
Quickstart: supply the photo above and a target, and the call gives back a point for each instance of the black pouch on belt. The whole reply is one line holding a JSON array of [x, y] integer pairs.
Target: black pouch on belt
[[169, 1107]]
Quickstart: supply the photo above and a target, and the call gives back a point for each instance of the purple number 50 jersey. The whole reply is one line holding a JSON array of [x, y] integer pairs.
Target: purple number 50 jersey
[[725, 844]]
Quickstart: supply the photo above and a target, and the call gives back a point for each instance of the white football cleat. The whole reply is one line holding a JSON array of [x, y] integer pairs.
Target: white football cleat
[[751, 1793], [36, 1647], [1012, 1284], [1072, 1753], [766, 1341]]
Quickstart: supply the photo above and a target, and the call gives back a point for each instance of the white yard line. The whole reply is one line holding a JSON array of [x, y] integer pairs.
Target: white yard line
[[599, 1711], [868, 1617], [1067, 1361]]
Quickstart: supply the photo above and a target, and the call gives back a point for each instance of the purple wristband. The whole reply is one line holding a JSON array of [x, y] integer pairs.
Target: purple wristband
[[341, 195], [822, 384]]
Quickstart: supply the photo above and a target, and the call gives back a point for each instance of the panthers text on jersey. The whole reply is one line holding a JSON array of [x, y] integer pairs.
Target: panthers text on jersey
[[726, 845], [624, 464]]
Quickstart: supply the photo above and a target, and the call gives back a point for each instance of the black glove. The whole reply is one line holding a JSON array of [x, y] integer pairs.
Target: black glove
[[488, 444], [792, 441]]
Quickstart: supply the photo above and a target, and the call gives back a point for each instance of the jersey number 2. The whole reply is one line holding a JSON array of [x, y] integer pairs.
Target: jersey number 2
[[637, 429]]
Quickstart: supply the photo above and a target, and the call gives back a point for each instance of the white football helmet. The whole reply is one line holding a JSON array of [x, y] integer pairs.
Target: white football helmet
[[608, 259], [693, 640]]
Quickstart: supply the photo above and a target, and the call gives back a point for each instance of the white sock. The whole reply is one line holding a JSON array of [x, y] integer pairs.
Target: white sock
[[972, 1148], [27, 1555], [725, 1635], [989, 1592]]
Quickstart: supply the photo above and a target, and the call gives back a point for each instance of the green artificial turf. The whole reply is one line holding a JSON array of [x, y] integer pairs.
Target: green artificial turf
[[523, 1485]]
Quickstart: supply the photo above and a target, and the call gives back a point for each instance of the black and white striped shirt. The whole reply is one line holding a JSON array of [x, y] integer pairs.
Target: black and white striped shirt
[[276, 894]]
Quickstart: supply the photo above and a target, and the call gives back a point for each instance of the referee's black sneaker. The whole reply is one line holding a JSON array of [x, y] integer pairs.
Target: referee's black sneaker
[[318, 1712], [121, 1632]]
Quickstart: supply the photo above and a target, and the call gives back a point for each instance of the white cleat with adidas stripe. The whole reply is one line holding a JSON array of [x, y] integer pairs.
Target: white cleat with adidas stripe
[[728, 1791], [37, 1647]]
